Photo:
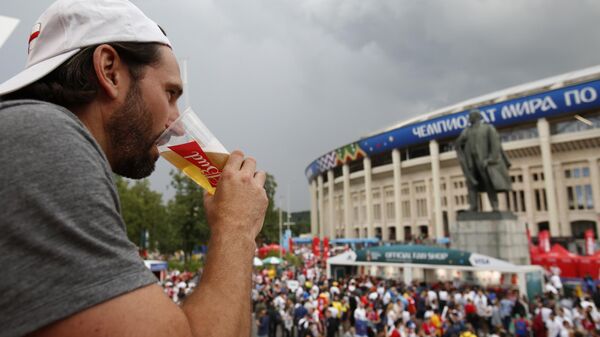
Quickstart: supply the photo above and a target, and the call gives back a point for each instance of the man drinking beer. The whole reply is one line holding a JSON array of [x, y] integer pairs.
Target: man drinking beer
[[101, 84]]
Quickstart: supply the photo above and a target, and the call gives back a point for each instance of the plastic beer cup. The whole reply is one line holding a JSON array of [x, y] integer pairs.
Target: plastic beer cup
[[188, 145]]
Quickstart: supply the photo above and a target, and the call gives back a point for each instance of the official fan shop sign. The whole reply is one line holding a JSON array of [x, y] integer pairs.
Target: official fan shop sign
[[418, 254], [565, 100]]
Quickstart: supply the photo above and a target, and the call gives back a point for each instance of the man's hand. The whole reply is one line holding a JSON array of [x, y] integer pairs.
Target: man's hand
[[237, 210]]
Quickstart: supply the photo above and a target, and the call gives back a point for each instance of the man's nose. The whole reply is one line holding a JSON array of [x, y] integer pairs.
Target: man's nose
[[177, 127]]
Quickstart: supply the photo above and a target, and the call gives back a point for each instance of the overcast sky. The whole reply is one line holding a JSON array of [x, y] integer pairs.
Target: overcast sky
[[288, 80]]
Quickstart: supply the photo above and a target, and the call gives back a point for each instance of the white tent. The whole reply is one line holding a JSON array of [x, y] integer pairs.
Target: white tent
[[409, 262]]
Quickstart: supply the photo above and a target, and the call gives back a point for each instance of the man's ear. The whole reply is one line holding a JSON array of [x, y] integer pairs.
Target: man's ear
[[110, 71]]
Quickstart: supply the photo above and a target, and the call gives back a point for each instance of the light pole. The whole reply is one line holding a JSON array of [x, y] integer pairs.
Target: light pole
[[7, 26], [280, 225]]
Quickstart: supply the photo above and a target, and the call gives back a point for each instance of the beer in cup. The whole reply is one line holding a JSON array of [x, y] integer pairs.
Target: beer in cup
[[192, 148]]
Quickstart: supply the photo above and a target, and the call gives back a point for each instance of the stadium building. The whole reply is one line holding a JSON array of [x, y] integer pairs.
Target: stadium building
[[405, 181]]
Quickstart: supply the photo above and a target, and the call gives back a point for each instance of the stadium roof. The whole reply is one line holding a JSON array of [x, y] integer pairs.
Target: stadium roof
[[549, 83]]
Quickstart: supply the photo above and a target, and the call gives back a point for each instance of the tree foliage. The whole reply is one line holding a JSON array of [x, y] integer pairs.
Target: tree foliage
[[142, 210], [186, 213], [180, 224]]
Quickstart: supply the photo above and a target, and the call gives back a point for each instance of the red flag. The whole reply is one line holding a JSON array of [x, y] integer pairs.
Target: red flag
[[544, 238], [325, 248], [589, 242], [315, 246]]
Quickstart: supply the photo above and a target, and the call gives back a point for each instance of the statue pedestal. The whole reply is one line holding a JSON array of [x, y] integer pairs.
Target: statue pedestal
[[496, 234]]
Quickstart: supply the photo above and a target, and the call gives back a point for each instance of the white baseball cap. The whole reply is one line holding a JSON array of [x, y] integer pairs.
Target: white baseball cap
[[67, 26]]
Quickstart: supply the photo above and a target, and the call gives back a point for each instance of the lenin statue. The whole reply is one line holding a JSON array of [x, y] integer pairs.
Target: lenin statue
[[482, 160]]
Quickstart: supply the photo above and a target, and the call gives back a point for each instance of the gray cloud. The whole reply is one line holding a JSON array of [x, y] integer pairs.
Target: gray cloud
[[289, 80]]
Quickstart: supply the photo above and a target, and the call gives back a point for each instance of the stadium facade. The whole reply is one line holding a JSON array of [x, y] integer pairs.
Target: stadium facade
[[405, 181]]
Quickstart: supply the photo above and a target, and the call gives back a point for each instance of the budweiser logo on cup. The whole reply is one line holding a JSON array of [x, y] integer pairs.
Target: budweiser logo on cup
[[192, 148]]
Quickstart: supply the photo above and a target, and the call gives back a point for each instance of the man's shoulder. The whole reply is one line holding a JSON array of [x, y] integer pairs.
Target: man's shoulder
[[30, 106], [36, 113]]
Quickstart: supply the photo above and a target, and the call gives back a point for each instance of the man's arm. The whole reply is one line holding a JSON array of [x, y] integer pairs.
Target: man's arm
[[220, 306]]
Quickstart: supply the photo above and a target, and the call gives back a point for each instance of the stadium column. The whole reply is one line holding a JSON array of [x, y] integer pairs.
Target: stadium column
[[331, 225], [528, 199], [369, 197], [314, 212], [561, 201], [347, 225], [397, 198], [434, 150], [595, 180], [544, 132], [321, 205]]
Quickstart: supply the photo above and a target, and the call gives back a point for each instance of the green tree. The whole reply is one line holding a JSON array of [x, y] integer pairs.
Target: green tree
[[187, 218], [142, 210]]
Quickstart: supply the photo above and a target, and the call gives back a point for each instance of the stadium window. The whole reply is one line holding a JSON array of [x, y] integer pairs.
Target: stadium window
[[406, 209], [573, 125], [392, 233], [378, 233], [356, 166], [579, 193], [539, 202], [338, 171], [389, 210], [418, 151], [424, 231], [381, 159], [589, 197], [407, 233], [377, 212], [518, 133]]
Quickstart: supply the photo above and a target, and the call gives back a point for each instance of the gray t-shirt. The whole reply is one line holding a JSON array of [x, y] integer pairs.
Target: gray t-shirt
[[63, 243]]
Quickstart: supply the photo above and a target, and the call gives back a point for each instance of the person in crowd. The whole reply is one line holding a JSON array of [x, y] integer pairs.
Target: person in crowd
[[332, 324], [521, 326], [397, 329], [262, 323]]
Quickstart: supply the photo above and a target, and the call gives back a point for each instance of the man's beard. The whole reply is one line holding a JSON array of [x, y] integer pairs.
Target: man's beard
[[131, 140]]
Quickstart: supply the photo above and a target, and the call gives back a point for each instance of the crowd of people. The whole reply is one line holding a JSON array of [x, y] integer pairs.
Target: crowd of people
[[307, 303], [177, 285]]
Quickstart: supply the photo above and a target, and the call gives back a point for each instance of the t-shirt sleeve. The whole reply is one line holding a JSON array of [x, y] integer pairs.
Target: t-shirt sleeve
[[64, 244]]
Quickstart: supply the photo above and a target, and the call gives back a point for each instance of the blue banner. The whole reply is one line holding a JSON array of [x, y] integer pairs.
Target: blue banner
[[516, 111]]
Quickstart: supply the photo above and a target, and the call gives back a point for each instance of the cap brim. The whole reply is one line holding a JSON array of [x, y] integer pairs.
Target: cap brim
[[34, 73]]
